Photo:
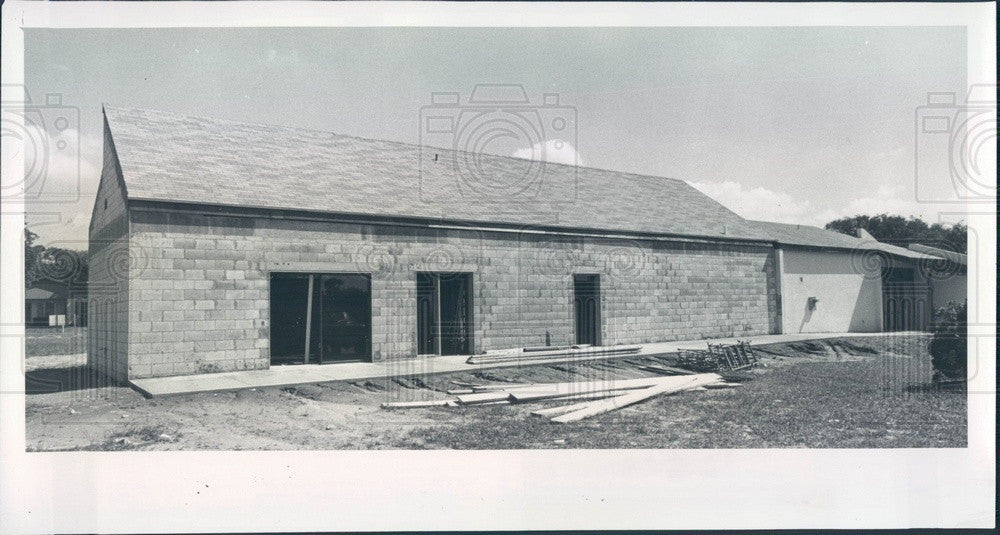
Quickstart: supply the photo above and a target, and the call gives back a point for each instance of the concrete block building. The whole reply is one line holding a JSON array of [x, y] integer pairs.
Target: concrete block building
[[224, 246]]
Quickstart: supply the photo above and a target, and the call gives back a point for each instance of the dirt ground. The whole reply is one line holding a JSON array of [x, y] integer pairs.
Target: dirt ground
[[840, 393]]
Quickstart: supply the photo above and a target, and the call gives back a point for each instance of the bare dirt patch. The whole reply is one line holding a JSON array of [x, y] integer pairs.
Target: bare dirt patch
[[860, 392]]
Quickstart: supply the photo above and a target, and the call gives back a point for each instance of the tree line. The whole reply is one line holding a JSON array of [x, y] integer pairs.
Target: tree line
[[901, 231]]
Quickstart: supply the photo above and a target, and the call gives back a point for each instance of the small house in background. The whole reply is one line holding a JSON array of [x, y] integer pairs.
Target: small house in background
[[47, 300]]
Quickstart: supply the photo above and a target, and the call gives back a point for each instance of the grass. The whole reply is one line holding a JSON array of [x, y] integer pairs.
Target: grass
[[868, 402], [46, 341], [872, 392]]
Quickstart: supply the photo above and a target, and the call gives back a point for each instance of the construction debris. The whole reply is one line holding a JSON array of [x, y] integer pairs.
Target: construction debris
[[666, 387], [599, 396], [417, 404], [719, 357]]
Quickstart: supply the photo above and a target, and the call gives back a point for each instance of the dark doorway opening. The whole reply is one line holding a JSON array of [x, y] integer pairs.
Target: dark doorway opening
[[905, 301], [320, 317], [444, 313], [587, 308]]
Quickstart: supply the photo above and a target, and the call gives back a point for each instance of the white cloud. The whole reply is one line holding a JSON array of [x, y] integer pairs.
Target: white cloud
[[55, 163], [768, 205], [62, 172], [762, 203], [552, 150]]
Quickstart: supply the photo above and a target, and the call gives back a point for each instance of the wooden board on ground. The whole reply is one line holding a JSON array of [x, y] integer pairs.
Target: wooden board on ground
[[576, 387], [562, 409], [545, 355], [599, 407], [416, 404], [668, 370]]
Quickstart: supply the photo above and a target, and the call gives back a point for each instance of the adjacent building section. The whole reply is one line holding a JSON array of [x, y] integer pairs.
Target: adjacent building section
[[832, 282]]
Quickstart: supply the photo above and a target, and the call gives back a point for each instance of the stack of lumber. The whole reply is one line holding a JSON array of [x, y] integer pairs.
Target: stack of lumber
[[592, 397], [736, 356], [536, 354]]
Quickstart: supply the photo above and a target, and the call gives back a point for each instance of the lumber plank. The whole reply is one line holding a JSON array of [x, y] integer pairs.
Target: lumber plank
[[599, 407], [464, 384], [505, 386], [416, 404], [457, 391], [545, 355], [671, 369], [554, 390], [581, 387], [520, 396], [483, 397], [563, 409], [588, 397]]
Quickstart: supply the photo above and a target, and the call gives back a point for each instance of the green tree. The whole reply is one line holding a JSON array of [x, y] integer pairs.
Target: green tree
[[31, 254], [53, 264], [902, 231]]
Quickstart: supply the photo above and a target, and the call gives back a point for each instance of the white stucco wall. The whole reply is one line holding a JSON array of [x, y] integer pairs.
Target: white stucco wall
[[848, 287]]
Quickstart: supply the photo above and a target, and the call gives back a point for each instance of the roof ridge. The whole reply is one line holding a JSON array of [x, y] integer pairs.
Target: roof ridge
[[630, 174], [297, 168]]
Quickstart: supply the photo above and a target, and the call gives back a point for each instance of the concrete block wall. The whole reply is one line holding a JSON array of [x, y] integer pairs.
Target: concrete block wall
[[200, 286], [108, 272]]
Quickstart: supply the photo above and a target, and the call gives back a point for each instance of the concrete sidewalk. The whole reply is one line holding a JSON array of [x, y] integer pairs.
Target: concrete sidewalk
[[354, 371]]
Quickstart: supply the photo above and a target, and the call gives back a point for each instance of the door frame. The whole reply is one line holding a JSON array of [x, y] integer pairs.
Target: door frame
[[312, 275], [470, 286], [598, 313]]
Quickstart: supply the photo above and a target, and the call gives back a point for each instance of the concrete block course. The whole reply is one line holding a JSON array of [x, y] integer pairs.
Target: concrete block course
[[651, 291]]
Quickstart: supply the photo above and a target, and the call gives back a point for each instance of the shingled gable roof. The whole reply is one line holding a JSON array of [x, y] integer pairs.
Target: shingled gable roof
[[809, 236], [951, 256], [184, 159]]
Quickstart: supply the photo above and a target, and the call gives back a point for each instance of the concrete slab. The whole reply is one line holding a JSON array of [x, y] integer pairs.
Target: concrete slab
[[358, 371]]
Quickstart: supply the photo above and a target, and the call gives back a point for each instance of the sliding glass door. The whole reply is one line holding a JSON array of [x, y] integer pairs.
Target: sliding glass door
[[332, 311]]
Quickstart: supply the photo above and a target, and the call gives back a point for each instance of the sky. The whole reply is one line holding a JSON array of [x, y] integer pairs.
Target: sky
[[799, 125]]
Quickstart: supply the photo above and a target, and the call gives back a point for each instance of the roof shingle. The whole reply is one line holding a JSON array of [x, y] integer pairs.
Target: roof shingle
[[177, 158], [809, 236]]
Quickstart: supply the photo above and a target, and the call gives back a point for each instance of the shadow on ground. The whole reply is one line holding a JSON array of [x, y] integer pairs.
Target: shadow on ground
[[66, 379]]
